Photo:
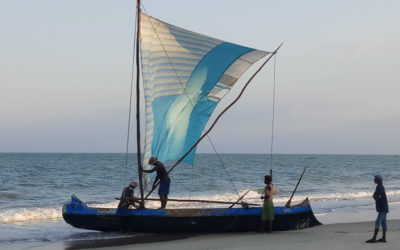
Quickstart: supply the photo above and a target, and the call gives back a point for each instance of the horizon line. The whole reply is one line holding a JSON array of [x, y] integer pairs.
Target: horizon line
[[225, 153]]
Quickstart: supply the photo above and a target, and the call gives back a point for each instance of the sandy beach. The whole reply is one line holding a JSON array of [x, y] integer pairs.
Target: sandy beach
[[327, 237]]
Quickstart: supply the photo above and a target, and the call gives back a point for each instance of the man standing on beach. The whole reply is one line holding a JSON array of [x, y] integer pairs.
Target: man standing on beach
[[267, 213], [165, 181], [382, 208]]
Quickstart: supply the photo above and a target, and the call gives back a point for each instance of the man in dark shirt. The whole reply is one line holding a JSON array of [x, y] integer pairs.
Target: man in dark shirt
[[127, 197], [382, 208], [165, 181]]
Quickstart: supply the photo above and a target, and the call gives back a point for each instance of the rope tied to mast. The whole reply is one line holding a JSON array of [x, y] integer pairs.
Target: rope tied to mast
[[273, 117]]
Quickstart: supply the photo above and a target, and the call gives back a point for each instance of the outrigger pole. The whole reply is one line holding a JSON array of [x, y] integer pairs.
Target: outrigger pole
[[204, 201], [219, 116], [139, 153]]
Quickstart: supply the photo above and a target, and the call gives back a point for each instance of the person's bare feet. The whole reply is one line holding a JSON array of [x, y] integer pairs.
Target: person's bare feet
[[382, 240]]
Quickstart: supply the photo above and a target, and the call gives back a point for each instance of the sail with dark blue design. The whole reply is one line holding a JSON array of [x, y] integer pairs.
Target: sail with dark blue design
[[185, 75]]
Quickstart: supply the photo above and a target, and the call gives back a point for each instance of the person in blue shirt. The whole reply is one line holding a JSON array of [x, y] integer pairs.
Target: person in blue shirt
[[382, 208]]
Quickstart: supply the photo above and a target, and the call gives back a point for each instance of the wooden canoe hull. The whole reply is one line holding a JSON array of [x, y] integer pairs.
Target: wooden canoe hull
[[204, 220]]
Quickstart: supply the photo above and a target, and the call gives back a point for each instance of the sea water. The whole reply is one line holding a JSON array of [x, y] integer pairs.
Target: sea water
[[34, 187]]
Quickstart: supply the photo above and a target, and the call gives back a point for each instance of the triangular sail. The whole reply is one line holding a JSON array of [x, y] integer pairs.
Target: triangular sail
[[185, 75]]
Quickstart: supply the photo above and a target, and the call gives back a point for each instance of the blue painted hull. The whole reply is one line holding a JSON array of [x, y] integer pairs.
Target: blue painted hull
[[205, 220]]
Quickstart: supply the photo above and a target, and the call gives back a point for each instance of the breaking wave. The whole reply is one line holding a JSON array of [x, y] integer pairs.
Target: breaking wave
[[331, 199], [30, 214]]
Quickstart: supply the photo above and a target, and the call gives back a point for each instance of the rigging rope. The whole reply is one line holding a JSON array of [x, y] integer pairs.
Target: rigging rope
[[190, 101], [130, 100], [273, 118]]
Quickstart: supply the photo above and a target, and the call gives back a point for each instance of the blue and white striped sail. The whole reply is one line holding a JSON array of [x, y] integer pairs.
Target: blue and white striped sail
[[185, 75]]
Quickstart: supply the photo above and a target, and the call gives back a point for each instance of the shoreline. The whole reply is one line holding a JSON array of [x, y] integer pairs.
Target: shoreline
[[327, 237]]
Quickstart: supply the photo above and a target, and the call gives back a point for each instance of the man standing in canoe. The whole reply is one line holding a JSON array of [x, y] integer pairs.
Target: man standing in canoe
[[162, 175], [267, 213]]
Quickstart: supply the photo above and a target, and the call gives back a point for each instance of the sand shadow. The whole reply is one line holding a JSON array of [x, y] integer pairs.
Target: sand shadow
[[121, 241]]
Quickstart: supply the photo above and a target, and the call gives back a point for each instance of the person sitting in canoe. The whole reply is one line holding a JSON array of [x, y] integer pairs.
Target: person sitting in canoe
[[162, 175], [127, 197], [267, 213]]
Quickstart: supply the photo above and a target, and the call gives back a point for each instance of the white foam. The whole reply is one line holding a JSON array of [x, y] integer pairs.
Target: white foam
[[352, 196], [328, 200], [27, 214], [254, 197]]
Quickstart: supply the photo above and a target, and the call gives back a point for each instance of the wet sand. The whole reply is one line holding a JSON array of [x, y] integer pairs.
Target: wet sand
[[328, 237]]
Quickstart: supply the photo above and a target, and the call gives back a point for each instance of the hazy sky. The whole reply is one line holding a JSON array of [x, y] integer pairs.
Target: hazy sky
[[65, 69]]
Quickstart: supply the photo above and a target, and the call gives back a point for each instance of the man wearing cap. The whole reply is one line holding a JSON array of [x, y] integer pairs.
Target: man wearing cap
[[165, 181], [128, 198], [382, 208]]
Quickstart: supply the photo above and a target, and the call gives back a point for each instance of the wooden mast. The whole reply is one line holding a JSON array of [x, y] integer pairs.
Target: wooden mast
[[218, 117], [139, 153]]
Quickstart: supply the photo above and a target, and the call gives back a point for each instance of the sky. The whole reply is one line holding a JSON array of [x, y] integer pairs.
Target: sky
[[65, 73]]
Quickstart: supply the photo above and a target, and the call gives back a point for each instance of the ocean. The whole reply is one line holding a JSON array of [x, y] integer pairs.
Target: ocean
[[34, 187]]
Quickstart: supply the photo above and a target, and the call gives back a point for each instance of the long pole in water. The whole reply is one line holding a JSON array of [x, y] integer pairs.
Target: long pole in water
[[218, 117], [139, 153], [294, 191]]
